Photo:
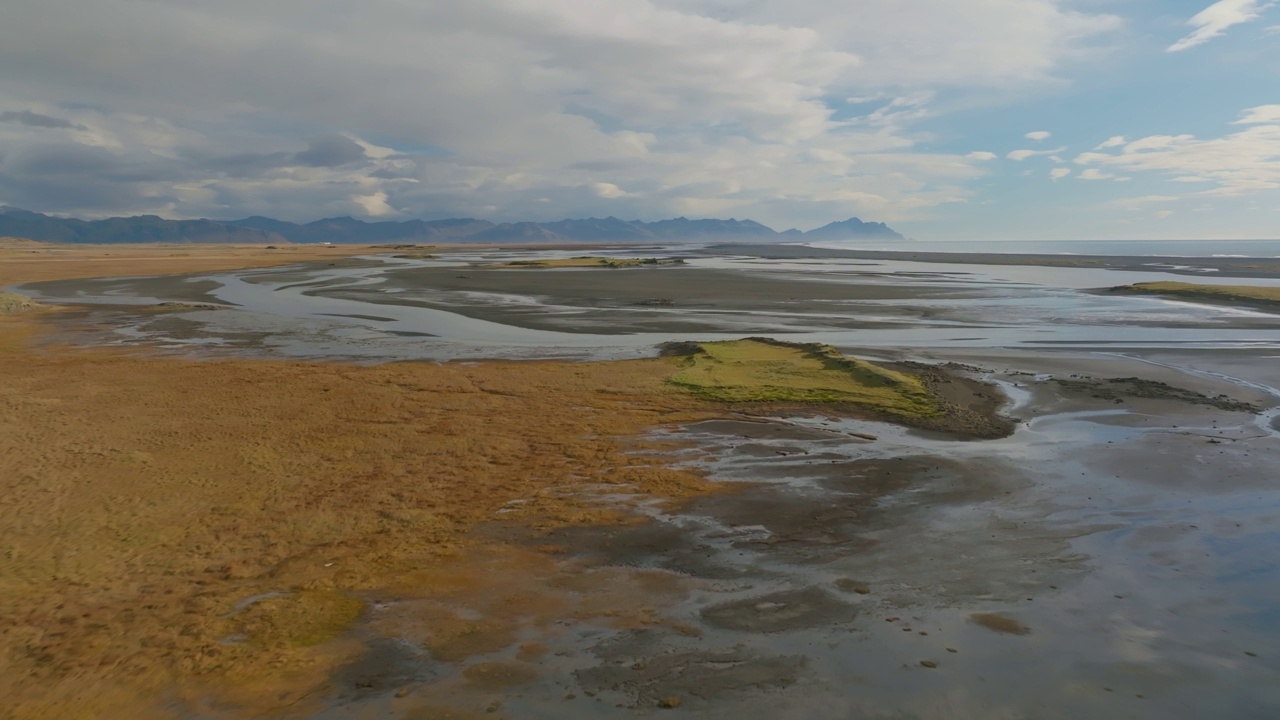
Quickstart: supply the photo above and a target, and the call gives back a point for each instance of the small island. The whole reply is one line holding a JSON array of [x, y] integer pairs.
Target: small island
[[586, 261], [1252, 295]]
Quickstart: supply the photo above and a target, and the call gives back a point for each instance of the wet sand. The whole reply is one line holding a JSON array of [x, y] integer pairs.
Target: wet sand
[[551, 539]]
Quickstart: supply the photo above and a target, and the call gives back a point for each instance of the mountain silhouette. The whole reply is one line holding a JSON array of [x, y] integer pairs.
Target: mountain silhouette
[[258, 229]]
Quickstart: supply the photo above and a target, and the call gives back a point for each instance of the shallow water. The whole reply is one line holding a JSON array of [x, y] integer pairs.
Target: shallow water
[[379, 310], [1135, 562], [1146, 592]]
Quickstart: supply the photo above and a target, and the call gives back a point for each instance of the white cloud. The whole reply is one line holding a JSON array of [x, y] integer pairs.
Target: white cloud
[[1113, 141], [1271, 30], [981, 155], [1137, 202], [1059, 173], [1038, 135], [607, 190], [1237, 163], [1259, 115], [374, 151], [1095, 174], [514, 108], [1021, 155], [1217, 18], [901, 110], [910, 42], [374, 205], [1162, 214]]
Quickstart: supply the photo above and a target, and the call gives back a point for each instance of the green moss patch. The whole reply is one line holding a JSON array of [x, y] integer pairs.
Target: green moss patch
[[760, 370], [586, 262], [13, 303], [1219, 293]]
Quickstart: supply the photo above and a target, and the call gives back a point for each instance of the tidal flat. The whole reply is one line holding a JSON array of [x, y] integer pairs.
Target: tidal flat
[[423, 487]]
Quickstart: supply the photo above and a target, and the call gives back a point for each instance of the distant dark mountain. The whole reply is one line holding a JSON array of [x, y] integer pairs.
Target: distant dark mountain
[[258, 229], [597, 229], [266, 224], [853, 228], [350, 230], [710, 229], [522, 232], [140, 229]]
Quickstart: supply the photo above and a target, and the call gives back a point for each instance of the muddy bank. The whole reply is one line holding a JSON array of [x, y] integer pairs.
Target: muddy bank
[[1118, 390]]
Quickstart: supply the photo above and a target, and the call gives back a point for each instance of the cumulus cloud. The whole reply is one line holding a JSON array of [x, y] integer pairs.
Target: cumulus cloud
[[1262, 114], [607, 190], [1138, 202], [1038, 135], [901, 110], [1113, 141], [509, 108], [374, 204], [981, 155], [1237, 163], [1021, 155], [1095, 174], [1217, 18], [1059, 173]]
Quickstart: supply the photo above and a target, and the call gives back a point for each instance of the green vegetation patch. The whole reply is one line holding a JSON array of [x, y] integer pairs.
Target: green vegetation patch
[[13, 303], [1248, 293], [761, 370], [301, 619], [587, 262]]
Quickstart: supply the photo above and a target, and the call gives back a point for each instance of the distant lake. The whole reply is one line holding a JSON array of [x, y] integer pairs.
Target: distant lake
[[1171, 248]]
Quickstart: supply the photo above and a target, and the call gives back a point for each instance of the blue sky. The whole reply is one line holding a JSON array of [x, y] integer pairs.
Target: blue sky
[[1163, 119]]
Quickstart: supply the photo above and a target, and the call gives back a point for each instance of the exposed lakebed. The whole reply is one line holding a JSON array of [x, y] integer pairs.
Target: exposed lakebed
[[1116, 556]]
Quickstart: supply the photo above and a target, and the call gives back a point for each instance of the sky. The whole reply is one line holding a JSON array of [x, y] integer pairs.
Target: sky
[[948, 119]]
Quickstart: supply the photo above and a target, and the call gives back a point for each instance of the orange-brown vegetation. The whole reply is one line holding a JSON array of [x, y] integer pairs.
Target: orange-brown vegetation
[[143, 498], [29, 261]]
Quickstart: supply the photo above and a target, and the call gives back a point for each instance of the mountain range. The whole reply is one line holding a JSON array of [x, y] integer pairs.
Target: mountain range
[[257, 230]]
